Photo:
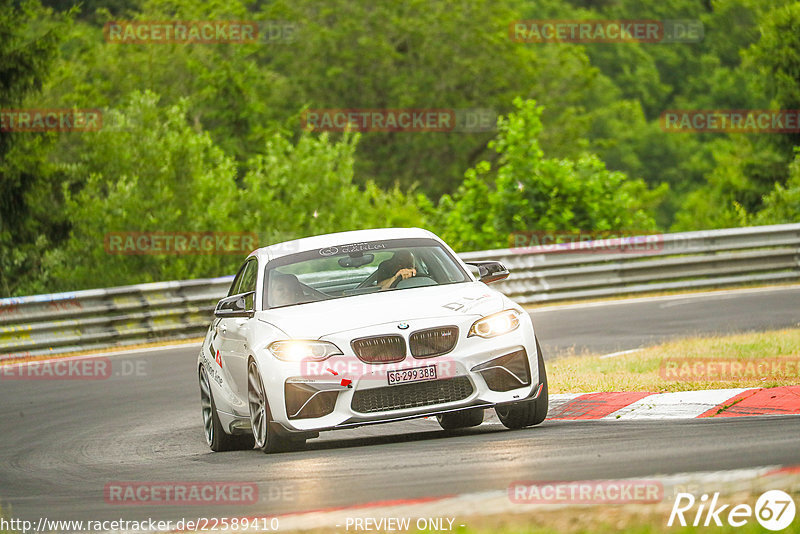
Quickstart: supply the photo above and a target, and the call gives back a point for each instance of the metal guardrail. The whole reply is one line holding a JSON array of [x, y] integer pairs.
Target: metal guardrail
[[690, 260], [97, 318], [82, 320]]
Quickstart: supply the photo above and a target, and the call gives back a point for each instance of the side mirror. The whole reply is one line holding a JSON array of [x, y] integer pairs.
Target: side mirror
[[490, 271], [234, 306]]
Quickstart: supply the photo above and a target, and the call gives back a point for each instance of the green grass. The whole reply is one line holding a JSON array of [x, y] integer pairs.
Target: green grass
[[640, 371], [2, 530]]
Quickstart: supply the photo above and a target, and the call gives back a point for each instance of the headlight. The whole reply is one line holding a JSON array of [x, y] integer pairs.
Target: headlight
[[495, 325], [295, 350]]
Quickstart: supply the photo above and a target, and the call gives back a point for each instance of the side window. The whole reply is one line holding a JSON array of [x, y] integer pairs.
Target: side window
[[237, 281], [248, 282], [245, 279]]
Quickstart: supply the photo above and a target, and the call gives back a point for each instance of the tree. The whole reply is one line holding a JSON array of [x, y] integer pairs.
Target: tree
[[29, 39], [782, 204], [307, 188], [156, 174], [147, 170], [777, 54], [421, 54], [529, 192]]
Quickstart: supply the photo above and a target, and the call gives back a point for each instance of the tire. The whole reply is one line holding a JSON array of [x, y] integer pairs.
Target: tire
[[460, 419], [530, 412], [266, 434], [216, 437]]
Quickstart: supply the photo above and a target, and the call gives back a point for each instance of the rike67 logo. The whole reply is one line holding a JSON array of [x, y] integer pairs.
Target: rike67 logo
[[774, 510]]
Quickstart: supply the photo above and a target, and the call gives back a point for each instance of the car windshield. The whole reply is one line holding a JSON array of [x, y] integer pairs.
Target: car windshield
[[359, 268]]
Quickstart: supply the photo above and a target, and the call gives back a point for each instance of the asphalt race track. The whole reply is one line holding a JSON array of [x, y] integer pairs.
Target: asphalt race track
[[605, 327], [63, 441]]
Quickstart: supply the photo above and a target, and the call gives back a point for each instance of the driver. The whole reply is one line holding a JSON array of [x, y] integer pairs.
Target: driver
[[284, 290], [398, 267]]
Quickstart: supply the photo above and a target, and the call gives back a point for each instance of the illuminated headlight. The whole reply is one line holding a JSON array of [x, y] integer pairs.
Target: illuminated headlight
[[295, 350], [495, 325]]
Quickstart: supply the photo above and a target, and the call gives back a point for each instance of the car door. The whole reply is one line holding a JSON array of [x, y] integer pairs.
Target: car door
[[233, 331], [217, 345]]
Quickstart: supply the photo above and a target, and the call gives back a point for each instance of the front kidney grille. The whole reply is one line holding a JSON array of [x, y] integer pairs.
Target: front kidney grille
[[412, 395], [380, 349], [433, 341]]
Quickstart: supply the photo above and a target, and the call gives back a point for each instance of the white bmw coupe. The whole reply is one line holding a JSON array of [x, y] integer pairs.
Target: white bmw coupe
[[370, 326]]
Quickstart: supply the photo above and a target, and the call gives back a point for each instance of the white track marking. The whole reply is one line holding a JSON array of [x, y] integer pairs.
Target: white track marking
[[620, 353], [678, 405]]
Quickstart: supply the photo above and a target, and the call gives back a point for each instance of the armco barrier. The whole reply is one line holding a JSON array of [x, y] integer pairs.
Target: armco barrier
[[713, 258], [97, 318], [65, 322]]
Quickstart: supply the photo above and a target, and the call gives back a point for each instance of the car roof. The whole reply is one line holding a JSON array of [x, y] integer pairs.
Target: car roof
[[340, 238]]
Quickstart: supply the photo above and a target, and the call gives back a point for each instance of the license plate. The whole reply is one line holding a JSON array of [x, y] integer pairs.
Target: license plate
[[417, 374]]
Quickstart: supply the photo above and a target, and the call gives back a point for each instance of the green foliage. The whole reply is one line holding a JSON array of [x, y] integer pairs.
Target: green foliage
[[145, 171], [777, 54], [237, 100], [29, 39], [148, 170], [467, 217], [421, 54], [782, 204], [763, 74], [745, 170], [303, 189], [216, 143], [531, 192]]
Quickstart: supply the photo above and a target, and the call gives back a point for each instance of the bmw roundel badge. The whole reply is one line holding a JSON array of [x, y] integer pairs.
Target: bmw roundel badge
[[402, 326]]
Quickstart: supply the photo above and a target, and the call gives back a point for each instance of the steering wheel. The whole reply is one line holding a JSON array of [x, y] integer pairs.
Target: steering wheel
[[415, 281]]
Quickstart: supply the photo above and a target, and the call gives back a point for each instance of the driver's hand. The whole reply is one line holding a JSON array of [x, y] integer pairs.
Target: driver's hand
[[406, 273]]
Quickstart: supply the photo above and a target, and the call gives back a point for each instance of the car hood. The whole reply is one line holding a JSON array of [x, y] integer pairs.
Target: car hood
[[318, 319]]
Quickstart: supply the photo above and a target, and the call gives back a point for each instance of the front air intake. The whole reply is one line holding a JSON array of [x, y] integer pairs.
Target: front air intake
[[507, 372], [416, 395]]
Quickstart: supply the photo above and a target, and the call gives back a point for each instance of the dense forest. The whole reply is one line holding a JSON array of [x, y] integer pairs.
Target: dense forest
[[200, 137]]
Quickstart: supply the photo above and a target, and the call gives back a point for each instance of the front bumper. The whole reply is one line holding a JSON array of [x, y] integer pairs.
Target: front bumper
[[343, 392], [535, 393]]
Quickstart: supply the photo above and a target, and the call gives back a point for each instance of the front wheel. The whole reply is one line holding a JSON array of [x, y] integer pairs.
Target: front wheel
[[530, 412], [266, 436], [216, 437]]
